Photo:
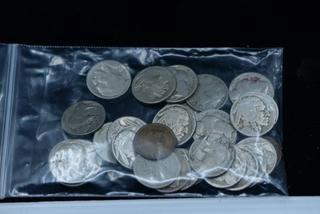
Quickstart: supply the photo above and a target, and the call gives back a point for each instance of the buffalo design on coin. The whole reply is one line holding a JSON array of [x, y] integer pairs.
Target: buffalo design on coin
[[120, 134], [154, 141], [180, 119], [187, 82], [212, 93], [210, 158], [156, 174], [102, 145], [153, 85], [72, 162], [250, 82], [254, 114], [108, 79], [215, 124], [83, 118]]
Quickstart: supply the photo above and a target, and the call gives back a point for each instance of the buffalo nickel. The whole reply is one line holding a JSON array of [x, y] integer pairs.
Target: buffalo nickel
[[254, 114], [181, 119], [187, 82], [83, 118], [250, 82], [108, 79], [153, 85], [212, 93], [157, 174], [216, 125]]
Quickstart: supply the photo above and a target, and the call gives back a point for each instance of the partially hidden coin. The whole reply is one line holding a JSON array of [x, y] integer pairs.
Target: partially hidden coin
[[254, 114], [156, 174], [210, 158], [73, 162], [183, 177], [212, 93], [277, 146], [187, 83], [102, 145], [121, 133], [215, 124], [83, 118], [154, 141], [250, 82], [153, 85], [181, 119], [108, 79]]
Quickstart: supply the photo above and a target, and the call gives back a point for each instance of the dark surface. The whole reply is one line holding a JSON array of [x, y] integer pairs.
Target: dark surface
[[191, 23]]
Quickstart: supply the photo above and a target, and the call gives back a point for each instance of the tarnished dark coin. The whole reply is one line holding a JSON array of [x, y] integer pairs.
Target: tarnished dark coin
[[83, 118], [154, 141]]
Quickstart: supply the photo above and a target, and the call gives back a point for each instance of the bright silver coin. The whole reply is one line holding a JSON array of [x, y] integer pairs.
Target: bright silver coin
[[254, 114], [83, 118], [183, 178], [153, 85], [210, 158], [73, 162], [187, 83], [121, 133], [108, 79], [234, 174], [102, 145], [250, 82], [181, 119], [216, 125], [156, 174], [212, 93]]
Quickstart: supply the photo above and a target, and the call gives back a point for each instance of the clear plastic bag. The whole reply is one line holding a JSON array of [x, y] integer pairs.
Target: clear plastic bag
[[38, 83]]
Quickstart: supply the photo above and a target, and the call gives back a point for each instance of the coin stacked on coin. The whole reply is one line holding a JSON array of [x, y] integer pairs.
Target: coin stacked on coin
[[189, 140]]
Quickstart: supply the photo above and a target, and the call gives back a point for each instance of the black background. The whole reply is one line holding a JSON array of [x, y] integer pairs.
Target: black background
[[294, 26]]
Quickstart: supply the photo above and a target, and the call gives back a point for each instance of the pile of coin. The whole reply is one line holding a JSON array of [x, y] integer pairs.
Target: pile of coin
[[189, 140]]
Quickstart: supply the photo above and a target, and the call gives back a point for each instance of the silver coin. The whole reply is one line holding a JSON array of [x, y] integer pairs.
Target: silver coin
[[264, 152], [215, 124], [210, 158], [212, 93], [250, 82], [277, 146], [254, 114], [187, 83], [183, 177], [72, 162], [252, 170], [156, 174], [108, 79], [102, 145], [153, 85], [83, 118], [234, 174], [120, 134], [180, 119]]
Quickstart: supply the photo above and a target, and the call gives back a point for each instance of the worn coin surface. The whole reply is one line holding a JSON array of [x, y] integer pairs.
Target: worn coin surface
[[234, 174], [277, 146], [157, 174], [252, 171], [183, 177], [181, 119], [108, 79], [102, 145], [120, 134], [254, 114], [154, 141], [210, 158], [216, 125], [187, 83], [212, 93], [153, 85], [83, 118], [250, 82], [72, 162]]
